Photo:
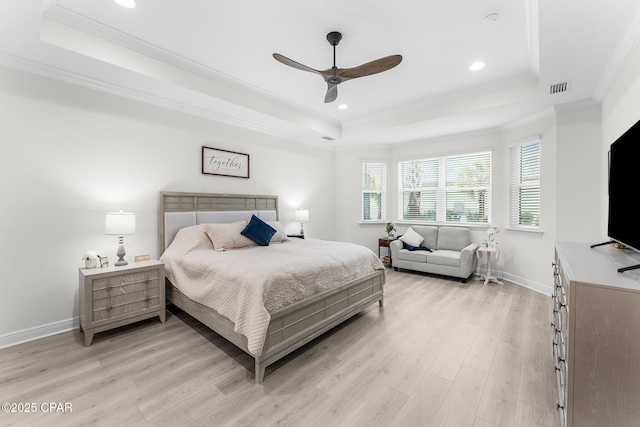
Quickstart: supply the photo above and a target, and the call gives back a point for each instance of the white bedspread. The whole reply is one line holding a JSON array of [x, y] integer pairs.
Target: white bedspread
[[245, 285]]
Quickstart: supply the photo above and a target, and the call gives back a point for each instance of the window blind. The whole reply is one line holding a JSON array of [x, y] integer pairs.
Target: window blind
[[525, 185], [373, 191]]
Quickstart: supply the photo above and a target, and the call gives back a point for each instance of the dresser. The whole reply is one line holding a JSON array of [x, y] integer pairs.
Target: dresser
[[116, 296], [596, 335]]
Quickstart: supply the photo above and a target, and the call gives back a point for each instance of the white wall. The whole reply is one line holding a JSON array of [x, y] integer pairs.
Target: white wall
[[70, 154], [579, 161]]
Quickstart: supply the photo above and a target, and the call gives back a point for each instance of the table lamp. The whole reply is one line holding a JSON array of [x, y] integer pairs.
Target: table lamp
[[302, 216], [120, 224]]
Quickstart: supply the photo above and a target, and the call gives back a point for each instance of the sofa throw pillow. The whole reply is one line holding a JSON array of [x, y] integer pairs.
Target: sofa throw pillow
[[259, 231], [411, 237]]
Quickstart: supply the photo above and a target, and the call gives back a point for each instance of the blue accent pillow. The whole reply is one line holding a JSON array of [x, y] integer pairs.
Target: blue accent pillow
[[258, 231], [415, 248]]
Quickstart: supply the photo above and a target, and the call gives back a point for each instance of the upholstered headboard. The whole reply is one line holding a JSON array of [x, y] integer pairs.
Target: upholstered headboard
[[179, 210]]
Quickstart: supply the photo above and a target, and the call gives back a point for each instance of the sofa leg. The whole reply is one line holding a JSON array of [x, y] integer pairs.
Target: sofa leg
[[395, 268], [463, 280]]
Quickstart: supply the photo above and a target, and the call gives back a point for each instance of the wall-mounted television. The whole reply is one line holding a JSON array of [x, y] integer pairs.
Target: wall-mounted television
[[624, 178]]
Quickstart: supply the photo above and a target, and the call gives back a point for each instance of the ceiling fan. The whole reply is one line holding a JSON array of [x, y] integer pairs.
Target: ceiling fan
[[334, 75]]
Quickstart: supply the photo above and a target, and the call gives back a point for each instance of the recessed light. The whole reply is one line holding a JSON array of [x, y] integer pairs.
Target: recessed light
[[129, 4], [343, 106], [477, 66]]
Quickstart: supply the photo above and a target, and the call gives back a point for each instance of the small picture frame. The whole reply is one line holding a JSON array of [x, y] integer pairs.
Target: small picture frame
[[224, 163], [104, 261]]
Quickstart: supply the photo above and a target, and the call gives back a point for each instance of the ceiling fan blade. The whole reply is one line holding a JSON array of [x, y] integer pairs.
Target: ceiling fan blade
[[294, 64], [373, 67], [332, 93]]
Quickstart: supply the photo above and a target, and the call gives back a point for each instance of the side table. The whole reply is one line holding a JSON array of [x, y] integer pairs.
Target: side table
[[385, 242], [488, 251]]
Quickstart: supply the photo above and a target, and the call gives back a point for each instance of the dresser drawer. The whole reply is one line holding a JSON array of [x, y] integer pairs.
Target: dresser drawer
[[562, 416]]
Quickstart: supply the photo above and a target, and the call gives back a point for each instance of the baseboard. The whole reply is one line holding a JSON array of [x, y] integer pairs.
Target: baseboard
[[518, 281], [25, 335], [538, 287]]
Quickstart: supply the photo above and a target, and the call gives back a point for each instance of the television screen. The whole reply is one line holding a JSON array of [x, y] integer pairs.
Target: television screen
[[624, 177]]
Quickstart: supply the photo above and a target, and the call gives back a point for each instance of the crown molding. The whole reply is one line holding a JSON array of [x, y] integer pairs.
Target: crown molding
[[620, 57], [582, 104], [547, 112]]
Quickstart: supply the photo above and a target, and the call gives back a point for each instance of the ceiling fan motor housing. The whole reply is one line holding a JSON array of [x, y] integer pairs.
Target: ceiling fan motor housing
[[334, 38]]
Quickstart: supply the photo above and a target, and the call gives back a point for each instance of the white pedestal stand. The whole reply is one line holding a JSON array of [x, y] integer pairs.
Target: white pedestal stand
[[485, 250]]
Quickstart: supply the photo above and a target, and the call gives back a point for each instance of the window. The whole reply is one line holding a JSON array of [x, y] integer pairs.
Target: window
[[446, 189], [525, 184], [373, 191]]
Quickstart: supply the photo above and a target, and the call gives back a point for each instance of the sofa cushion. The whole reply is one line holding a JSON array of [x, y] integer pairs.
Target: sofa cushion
[[453, 238], [447, 258], [429, 233], [416, 256]]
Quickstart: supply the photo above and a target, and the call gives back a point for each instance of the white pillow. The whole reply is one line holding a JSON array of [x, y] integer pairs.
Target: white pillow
[[412, 238], [227, 236], [280, 235]]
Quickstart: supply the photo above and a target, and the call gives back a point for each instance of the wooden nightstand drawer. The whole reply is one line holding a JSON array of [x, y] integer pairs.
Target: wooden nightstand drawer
[[142, 277], [113, 310], [385, 242], [116, 296]]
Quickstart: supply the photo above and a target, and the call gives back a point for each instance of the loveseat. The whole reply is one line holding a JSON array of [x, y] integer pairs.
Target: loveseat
[[443, 250]]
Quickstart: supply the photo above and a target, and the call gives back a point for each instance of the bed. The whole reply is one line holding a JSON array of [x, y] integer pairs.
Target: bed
[[279, 327]]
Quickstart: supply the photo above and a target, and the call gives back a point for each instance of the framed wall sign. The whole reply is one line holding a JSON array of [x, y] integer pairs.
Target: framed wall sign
[[225, 163]]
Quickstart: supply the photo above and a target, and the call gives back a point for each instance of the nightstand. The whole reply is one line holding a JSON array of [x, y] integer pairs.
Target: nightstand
[[384, 242], [116, 296]]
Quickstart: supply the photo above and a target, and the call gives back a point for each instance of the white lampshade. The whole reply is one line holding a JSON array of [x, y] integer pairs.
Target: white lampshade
[[302, 215], [120, 223]]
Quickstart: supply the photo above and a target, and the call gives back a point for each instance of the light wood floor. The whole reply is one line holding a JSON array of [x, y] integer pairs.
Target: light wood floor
[[440, 353]]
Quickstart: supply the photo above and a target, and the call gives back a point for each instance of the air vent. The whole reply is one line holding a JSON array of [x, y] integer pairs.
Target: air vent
[[558, 88], [328, 138]]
